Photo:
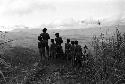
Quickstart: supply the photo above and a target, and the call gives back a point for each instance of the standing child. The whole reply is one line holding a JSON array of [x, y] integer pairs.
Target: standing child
[[41, 47], [67, 50], [72, 53], [59, 49], [52, 49], [78, 54], [45, 36]]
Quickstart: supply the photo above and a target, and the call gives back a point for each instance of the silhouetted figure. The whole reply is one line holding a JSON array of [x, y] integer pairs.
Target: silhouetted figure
[[45, 37], [72, 52], [78, 53], [41, 47], [52, 49], [67, 50], [59, 41]]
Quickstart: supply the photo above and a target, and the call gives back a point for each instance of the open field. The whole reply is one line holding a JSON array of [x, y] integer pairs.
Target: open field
[[22, 53]]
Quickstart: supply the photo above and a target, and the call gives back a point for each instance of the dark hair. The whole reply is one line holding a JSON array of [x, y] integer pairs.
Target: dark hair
[[72, 42], [44, 30], [68, 40], [76, 42], [56, 34]]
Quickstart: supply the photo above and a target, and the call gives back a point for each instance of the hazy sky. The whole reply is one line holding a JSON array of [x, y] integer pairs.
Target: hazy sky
[[36, 12]]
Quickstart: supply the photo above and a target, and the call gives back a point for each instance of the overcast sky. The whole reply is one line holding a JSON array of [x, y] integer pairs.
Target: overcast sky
[[36, 12]]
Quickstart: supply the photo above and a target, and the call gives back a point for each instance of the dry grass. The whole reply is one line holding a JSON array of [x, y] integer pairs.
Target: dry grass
[[105, 66]]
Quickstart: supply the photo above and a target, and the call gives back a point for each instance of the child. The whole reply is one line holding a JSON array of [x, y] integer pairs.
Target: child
[[78, 53], [41, 47], [72, 52], [67, 50], [52, 49], [59, 49]]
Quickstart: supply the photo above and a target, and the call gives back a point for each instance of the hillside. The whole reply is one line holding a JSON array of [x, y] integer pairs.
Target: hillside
[[28, 37], [22, 53], [84, 31]]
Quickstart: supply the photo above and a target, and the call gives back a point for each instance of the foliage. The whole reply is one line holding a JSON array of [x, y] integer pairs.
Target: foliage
[[105, 66], [110, 54]]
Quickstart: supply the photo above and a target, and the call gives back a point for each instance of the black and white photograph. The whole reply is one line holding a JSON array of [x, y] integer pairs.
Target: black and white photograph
[[62, 41]]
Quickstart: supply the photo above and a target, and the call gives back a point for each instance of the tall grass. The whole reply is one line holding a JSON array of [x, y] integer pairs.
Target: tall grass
[[110, 54], [106, 65]]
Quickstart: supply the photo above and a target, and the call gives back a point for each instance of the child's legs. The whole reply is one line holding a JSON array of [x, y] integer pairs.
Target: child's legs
[[47, 50], [41, 53]]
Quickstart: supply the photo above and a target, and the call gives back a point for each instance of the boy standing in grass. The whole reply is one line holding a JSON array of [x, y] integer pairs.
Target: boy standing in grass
[[72, 53], [78, 53], [59, 49], [52, 49], [41, 47], [45, 37], [67, 50]]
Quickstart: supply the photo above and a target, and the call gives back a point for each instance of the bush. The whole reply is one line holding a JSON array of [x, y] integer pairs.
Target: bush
[[21, 56], [110, 54]]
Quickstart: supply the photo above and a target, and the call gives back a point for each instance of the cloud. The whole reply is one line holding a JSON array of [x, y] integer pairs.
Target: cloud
[[24, 7], [120, 10], [37, 12]]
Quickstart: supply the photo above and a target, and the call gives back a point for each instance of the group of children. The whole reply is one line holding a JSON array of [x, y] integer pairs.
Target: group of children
[[73, 52]]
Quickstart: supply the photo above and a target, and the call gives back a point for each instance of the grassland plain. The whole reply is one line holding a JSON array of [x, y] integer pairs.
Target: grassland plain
[[22, 54]]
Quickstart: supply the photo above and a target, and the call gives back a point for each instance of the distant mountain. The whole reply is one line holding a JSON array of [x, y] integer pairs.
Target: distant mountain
[[20, 30], [28, 37], [80, 31]]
